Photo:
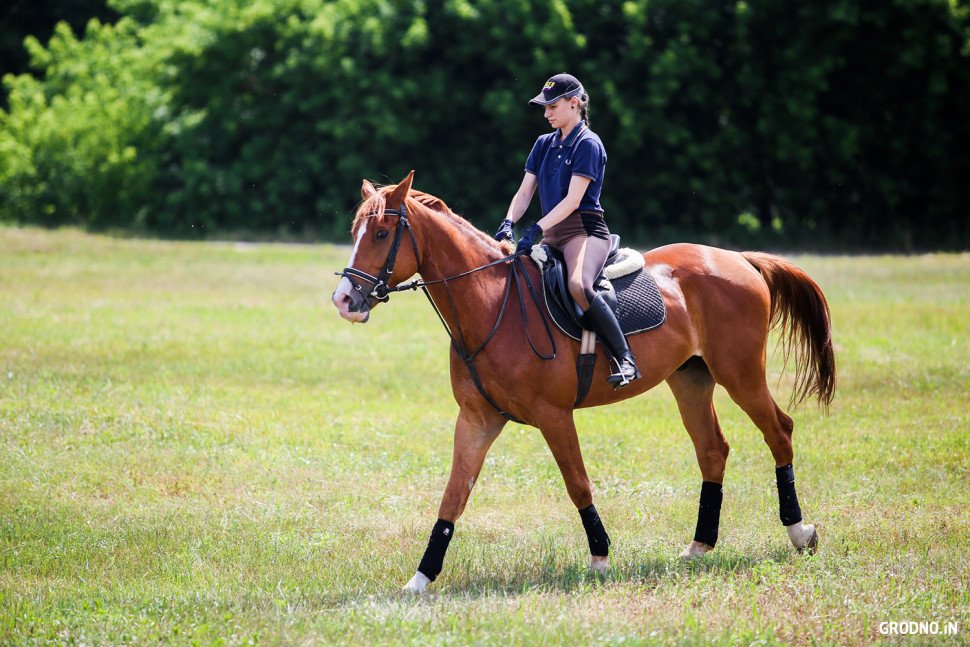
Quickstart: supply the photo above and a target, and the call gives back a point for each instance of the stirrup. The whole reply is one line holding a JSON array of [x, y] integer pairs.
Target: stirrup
[[621, 378]]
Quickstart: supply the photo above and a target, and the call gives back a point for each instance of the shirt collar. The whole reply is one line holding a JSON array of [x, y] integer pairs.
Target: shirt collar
[[573, 136]]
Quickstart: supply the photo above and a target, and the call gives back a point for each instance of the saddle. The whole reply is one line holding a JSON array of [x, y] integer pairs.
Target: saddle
[[555, 283], [626, 286]]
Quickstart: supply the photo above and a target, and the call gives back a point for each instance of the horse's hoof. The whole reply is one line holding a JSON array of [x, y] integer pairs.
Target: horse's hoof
[[418, 584], [803, 537], [812, 544], [599, 564], [695, 549]]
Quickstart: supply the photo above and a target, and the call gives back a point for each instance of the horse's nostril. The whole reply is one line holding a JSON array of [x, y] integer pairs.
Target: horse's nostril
[[340, 299]]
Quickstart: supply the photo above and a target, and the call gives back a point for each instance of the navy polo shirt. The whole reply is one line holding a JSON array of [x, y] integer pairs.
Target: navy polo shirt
[[554, 162]]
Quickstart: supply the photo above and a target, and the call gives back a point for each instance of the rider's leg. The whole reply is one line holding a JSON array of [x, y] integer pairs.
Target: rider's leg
[[585, 257], [604, 323], [579, 254]]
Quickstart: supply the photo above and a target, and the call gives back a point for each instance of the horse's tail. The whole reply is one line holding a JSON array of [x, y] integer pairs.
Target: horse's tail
[[799, 309]]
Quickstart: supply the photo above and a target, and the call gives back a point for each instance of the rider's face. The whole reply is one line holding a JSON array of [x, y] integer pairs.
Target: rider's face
[[562, 112]]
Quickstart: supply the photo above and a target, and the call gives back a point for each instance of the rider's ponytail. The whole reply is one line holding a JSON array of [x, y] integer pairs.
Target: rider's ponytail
[[584, 108]]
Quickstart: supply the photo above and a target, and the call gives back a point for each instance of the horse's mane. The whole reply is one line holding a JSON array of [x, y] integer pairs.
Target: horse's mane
[[374, 206]]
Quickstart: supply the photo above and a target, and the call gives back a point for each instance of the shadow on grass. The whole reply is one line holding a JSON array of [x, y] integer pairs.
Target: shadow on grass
[[552, 575]]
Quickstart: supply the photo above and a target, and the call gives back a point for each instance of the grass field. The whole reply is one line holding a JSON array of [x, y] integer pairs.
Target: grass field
[[195, 448]]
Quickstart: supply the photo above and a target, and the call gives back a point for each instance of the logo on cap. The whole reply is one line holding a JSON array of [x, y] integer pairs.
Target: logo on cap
[[549, 85]]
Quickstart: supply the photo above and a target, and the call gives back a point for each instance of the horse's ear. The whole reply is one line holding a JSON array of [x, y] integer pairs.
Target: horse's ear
[[367, 190], [396, 197]]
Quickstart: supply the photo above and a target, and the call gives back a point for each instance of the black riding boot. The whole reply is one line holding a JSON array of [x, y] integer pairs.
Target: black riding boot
[[604, 324]]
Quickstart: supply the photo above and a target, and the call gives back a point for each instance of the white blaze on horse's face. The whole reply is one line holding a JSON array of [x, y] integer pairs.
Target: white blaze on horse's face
[[342, 295]]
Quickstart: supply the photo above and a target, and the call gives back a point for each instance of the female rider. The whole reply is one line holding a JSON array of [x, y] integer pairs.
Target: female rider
[[568, 166]]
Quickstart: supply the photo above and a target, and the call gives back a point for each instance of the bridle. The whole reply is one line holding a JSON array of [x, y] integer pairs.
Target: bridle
[[381, 290], [381, 293]]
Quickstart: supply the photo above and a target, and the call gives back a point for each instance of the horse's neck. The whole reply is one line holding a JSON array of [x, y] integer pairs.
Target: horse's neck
[[475, 300], [449, 251]]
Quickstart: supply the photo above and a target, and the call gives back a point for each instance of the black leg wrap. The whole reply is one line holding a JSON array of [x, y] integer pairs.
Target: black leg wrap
[[709, 513], [599, 541], [434, 555], [787, 499]]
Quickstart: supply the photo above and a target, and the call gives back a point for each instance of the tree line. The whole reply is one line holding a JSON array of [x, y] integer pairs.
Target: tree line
[[837, 124]]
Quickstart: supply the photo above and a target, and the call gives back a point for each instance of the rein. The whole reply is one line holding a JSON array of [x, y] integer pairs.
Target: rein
[[517, 274]]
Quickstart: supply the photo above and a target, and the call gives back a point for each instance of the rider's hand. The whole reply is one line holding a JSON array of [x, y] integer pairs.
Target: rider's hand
[[531, 236], [505, 231]]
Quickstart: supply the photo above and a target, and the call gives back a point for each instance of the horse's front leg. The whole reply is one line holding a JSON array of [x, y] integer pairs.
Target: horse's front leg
[[559, 430], [474, 433]]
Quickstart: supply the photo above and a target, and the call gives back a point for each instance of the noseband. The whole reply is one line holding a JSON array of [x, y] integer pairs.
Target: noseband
[[381, 290]]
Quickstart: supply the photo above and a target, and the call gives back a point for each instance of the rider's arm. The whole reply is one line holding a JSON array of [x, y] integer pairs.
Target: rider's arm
[[569, 204], [522, 197]]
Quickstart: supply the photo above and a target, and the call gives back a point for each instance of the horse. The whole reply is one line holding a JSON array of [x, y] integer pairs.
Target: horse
[[720, 308]]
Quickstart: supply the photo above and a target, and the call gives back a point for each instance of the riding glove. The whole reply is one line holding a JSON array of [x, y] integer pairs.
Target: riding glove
[[505, 231], [531, 236]]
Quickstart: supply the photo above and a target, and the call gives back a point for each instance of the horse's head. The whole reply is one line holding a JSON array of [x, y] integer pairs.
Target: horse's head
[[385, 250]]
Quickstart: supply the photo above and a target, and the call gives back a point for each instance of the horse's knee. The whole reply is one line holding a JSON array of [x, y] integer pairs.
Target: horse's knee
[[455, 498], [713, 461], [452, 506], [580, 493]]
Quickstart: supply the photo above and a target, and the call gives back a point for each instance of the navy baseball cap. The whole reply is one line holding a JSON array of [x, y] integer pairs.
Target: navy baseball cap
[[556, 88]]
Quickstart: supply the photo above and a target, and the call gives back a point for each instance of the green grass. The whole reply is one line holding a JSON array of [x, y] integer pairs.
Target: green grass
[[195, 448]]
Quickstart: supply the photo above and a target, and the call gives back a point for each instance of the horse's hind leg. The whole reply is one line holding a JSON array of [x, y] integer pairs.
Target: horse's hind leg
[[693, 387], [474, 434], [752, 395]]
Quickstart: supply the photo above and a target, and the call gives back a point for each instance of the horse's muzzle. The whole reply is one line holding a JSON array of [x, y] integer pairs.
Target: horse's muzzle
[[350, 302]]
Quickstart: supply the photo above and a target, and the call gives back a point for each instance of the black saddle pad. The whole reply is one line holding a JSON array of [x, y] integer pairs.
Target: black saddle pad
[[640, 307]]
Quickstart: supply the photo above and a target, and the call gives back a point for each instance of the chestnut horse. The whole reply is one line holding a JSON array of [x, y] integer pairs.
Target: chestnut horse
[[720, 307]]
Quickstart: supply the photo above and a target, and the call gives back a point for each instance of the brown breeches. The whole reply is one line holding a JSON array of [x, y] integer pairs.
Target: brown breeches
[[584, 240]]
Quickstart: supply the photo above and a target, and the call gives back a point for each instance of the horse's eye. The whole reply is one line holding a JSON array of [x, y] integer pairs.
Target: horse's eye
[[382, 234]]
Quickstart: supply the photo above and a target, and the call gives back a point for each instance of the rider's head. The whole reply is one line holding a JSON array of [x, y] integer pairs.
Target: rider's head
[[564, 88]]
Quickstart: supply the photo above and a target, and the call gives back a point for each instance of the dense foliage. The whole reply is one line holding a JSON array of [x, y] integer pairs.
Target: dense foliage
[[38, 18], [838, 123]]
